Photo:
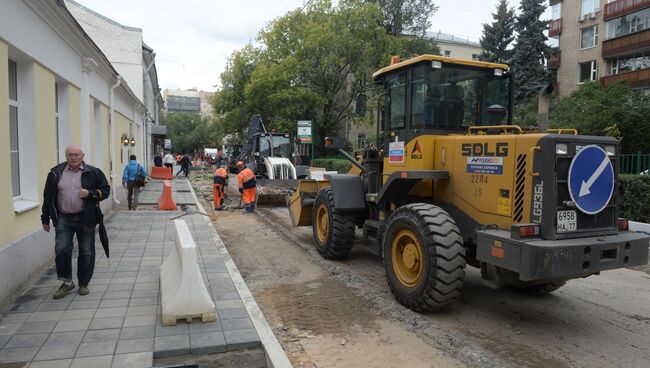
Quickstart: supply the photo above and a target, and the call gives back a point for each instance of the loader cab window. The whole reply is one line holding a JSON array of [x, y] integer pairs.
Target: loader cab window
[[455, 96], [275, 146], [397, 104]]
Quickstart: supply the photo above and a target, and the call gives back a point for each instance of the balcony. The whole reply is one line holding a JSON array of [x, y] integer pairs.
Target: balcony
[[555, 28], [635, 42], [637, 78], [554, 60], [622, 7]]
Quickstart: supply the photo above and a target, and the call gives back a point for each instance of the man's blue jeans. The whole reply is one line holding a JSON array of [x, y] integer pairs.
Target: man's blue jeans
[[66, 227]]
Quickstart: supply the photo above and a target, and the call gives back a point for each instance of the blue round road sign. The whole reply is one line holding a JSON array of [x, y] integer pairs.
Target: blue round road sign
[[591, 179]]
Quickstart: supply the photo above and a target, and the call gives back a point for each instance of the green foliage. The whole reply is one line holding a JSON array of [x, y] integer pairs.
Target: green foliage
[[616, 111], [498, 35], [530, 51], [635, 197], [332, 164], [406, 16], [190, 131]]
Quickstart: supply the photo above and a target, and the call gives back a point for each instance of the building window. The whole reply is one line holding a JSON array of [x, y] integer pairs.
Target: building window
[[362, 142], [631, 63], [587, 71], [629, 23], [447, 53], [589, 37], [556, 11], [589, 6], [476, 57], [13, 128]]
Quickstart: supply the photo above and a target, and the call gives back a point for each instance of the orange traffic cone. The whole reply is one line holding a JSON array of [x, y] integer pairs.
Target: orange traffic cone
[[165, 202]]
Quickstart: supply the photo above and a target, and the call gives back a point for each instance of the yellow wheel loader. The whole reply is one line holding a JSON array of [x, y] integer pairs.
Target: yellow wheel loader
[[454, 183]]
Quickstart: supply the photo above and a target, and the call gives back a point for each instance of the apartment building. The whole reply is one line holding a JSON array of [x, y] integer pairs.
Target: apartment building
[[456, 46], [56, 88], [600, 40], [188, 101]]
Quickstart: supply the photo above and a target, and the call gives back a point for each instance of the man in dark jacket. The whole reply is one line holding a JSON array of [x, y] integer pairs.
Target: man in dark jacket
[[72, 194]]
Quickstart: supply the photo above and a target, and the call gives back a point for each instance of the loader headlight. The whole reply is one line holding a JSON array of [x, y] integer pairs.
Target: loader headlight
[[561, 148], [498, 72], [611, 150]]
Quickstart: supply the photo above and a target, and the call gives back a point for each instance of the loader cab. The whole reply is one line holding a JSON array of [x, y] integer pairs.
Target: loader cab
[[440, 95]]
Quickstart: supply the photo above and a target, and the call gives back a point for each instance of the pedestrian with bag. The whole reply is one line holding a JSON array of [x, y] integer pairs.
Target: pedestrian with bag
[[157, 160], [185, 166], [247, 186], [133, 179], [73, 190], [168, 160]]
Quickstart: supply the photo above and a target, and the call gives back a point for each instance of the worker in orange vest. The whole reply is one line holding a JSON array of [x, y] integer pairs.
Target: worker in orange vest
[[220, 182], [246, 180]]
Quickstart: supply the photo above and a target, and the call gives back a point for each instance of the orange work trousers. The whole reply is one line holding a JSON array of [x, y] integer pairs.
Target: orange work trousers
[[218, 195], [249, 196]]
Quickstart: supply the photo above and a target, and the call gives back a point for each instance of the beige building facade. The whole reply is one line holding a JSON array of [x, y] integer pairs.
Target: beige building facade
[[56, 89], [600, 40]]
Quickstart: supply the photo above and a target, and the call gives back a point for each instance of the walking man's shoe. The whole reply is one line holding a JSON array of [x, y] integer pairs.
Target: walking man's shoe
[[83, 290], [63, 290]]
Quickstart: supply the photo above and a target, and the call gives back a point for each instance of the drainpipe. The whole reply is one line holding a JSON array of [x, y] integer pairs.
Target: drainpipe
[[111, 142], [145, 135], [542, 108]]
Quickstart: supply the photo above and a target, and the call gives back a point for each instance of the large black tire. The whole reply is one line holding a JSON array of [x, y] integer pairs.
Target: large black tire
[[424, 257], [333, 231]]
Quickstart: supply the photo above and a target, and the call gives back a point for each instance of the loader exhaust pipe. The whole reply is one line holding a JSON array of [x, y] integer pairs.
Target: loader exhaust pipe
[[542, 108]]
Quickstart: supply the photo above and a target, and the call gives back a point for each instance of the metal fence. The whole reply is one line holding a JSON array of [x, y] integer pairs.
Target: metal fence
[[634, 163]]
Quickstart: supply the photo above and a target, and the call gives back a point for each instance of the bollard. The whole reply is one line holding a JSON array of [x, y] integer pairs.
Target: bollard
[[183, 294], [164, 173], [166, 202]]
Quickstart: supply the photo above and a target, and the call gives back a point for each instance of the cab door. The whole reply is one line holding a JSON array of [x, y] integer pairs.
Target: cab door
[[396, 132]]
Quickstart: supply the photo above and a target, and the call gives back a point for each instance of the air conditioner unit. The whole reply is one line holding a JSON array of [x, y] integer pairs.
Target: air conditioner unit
[[592, 15], [581, 18]]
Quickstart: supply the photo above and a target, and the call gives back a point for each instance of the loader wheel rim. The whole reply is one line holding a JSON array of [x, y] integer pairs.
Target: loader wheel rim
[[322, 223], [407, 258]]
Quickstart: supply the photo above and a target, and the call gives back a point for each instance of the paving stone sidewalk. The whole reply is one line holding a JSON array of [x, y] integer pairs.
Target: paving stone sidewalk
[[119, 324], [181, 192]]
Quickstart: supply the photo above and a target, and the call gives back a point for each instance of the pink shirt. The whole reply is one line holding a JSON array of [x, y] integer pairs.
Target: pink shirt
[[69, 185]]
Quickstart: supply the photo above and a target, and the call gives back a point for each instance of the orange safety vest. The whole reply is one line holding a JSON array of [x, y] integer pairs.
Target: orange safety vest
[[246, 178], [221, 172]]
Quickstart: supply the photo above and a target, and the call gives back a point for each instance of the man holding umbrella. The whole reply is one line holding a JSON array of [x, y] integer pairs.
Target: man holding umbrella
[[73, 190]]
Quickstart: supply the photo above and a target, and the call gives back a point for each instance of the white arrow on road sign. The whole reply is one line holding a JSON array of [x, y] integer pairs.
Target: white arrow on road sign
[[584, 188]]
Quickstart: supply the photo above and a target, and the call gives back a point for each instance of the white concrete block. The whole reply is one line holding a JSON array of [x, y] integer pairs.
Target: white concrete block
[[182, 289], [639, 227]]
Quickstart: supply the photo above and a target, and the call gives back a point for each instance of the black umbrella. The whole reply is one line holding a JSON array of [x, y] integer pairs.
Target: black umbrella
[[103, 236]]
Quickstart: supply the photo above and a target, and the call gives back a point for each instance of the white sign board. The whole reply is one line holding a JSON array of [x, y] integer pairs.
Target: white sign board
[[168, 143]]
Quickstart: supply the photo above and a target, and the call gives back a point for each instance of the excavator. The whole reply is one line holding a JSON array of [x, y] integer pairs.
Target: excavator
[[455, 183]]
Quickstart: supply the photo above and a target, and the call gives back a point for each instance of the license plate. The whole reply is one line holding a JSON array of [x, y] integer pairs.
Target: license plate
[[567, 221]]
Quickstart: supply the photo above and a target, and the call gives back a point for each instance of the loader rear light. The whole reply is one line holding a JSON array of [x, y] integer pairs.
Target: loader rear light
[[528, 231], [519, 231], [623, 224]]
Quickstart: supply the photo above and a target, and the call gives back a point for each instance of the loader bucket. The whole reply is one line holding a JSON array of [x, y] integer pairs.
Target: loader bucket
[[301, 201], [272, 192]]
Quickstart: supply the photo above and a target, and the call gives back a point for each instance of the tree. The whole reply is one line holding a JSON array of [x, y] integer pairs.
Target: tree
[[530, 51], [615, 110], [406, 16], [229, 101], [498, 35], [313, 64], [189, 131]]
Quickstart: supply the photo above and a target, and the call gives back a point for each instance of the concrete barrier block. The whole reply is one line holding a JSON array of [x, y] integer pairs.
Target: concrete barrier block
[[183, 293]]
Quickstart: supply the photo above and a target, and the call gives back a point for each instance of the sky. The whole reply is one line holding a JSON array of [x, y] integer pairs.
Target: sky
[[192, 39]]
